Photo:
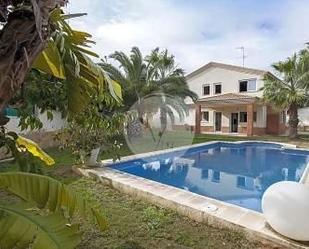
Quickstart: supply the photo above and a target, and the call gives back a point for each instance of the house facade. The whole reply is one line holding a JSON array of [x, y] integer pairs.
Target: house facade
[[229, 101]]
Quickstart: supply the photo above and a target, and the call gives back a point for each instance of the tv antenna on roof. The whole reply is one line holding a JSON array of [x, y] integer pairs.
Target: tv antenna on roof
[[242, 48]]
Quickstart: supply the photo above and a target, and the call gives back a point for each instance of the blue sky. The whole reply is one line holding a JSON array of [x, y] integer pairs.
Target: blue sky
[[198, 31]]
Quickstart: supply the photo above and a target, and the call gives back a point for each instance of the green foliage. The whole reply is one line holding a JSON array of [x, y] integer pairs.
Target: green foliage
[[40, 93], [155, 77], [157, 73], [67, 57], [290, 89], [97, 127], [70, 78], [50, 61], [41, 216], [83, 76], [166, 76], [7, 140], [26, 161], [49, 231]]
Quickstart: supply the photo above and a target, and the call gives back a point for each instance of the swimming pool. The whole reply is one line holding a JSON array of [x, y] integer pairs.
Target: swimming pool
[[234, 173]]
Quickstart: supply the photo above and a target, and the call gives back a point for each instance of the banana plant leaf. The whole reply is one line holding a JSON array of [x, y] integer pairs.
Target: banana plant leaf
[[34, 149]]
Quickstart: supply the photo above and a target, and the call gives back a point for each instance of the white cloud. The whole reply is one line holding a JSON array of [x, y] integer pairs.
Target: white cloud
[[198, 31]]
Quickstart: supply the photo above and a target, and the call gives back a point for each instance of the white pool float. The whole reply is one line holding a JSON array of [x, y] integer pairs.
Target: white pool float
[[286, 208]]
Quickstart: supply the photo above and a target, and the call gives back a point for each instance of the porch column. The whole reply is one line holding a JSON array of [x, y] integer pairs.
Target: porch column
[[250, 120], [198, 118]]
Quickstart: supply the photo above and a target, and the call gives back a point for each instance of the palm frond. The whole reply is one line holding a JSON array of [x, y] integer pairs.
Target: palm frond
[[68, 57], [291, 90]]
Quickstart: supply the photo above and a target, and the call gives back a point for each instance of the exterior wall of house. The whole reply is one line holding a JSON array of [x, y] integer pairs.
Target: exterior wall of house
[[276, 122], [229, 80], [259, 125], [190, 119]]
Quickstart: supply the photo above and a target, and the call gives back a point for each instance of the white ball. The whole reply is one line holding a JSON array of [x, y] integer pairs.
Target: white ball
[[286, 208]]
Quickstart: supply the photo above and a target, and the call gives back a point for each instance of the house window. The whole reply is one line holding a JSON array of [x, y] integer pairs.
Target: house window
[[254, 117], [206, 116], [247, 85], [243, 117], [241, 181], [216, 176], [205, 174], [206, 89], [217, 88]]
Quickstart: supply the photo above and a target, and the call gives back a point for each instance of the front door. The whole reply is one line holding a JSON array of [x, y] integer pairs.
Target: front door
[[234, 122], [218, 121]]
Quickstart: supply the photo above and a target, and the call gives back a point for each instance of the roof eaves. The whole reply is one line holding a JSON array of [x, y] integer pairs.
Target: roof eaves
[[228, 67]]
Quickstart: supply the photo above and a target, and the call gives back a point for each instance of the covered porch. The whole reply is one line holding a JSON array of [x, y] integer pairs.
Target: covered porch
[[230, 114]]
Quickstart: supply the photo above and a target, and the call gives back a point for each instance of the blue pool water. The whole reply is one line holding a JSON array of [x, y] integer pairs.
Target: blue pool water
[[233, 173]]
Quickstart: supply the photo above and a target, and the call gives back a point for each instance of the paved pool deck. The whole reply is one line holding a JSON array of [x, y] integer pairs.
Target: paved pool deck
[[196, 207]]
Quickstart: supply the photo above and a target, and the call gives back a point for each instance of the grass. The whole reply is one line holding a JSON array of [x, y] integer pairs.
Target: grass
[[301, 141], [178, 138], [135, 224]]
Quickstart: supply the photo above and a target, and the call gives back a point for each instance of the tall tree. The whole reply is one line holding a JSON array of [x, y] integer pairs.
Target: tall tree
[[156, 73], [132, 74], [35, 33], [290, 90], [25, 31], [168, 78]]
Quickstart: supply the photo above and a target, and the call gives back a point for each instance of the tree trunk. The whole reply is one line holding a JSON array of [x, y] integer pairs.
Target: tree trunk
[[163, 119], [293, 121], [134, 129], [163, 124], [22, 39]]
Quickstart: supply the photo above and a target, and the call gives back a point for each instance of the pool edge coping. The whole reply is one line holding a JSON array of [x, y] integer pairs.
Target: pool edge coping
[[108, 162]]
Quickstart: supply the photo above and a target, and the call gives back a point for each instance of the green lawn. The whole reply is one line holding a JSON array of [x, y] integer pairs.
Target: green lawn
[[301, 141], [135, 224]]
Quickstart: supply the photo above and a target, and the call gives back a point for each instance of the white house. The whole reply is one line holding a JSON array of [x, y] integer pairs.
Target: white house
[[229, 101]]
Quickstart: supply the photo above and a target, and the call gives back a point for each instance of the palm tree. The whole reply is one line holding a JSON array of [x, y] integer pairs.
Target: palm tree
[[290, 90], [132, 74], [168, 78], [24, 31], [156, 74]]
